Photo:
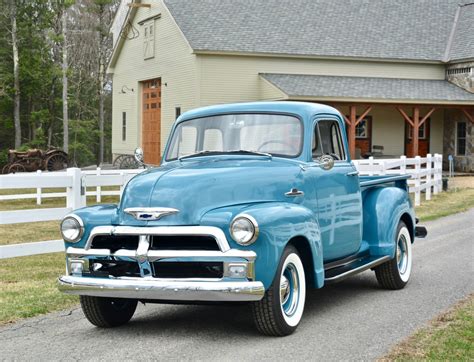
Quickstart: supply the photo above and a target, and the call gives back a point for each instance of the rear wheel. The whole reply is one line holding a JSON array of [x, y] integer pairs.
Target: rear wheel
[[395, 273], [108, 312], [281, 309]]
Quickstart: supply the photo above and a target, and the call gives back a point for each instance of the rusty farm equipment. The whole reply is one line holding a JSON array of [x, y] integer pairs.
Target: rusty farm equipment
[[35, 159]]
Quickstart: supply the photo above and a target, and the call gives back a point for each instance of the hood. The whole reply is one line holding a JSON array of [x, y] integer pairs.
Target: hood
[[195, 187]]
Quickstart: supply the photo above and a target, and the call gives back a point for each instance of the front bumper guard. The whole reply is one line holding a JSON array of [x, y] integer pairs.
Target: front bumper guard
[[160, 289]]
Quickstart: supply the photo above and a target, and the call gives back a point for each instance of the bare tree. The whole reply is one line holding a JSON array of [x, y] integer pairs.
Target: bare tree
[[64, 68], [16, 75]]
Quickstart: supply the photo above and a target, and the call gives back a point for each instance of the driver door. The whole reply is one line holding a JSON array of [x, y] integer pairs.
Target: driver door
[[338, 193]]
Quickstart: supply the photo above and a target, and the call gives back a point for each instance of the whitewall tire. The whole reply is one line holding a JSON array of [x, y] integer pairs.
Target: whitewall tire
[[281, 309], [395, 273]]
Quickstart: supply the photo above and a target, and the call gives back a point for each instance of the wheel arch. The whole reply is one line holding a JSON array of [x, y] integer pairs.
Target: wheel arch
[[301, 243], [407, 219]]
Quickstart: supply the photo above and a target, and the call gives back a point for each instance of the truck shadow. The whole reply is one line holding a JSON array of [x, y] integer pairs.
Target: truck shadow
[[213, 321]]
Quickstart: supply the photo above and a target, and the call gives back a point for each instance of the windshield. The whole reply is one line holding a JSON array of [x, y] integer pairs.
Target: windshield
[[275, 134]]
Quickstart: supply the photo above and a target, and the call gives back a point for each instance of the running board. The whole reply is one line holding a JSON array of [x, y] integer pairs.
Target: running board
[[358, 266]]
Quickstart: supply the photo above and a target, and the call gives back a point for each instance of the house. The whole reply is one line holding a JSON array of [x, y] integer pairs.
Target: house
[[402, 72]]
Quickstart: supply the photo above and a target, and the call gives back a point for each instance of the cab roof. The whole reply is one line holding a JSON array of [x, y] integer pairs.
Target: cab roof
[[302, 109]]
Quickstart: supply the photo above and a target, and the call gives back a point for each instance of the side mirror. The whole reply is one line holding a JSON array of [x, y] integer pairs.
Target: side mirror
[[326, 162], [139, 156]]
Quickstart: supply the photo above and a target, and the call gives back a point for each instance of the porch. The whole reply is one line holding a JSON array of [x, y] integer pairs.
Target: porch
[[386, 118]]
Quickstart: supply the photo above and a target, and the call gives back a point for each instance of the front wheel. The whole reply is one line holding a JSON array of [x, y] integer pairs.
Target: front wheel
[[281, 309], [395, 273], [108, 312]]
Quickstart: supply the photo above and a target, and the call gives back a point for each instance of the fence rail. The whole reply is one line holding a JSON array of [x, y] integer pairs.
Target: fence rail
[[426, 172], [74, 181]]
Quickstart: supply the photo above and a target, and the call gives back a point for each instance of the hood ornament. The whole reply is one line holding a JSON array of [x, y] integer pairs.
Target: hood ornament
[[150, 213]]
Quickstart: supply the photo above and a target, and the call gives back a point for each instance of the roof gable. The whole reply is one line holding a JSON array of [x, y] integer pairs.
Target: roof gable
[[382, 29]]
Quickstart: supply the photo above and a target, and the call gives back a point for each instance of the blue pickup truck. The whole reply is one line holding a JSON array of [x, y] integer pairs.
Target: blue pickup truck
[[252, 202]]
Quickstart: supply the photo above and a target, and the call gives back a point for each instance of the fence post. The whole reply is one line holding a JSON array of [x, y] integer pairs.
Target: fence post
[[371, 165], [98, 189], [417, 180], [438, 172], [428, 176], [76, 194], [38, 191], [123, 183], [403, 166]]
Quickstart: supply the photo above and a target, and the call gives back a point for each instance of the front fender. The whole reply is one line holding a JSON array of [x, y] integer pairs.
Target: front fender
[[384, 207], [93, 216], [278, 223]]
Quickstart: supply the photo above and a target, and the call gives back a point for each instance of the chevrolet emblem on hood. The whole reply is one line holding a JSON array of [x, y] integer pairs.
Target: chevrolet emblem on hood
[[150, 213]]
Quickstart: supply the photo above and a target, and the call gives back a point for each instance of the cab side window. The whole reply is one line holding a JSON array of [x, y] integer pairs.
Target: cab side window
[[327, 140]]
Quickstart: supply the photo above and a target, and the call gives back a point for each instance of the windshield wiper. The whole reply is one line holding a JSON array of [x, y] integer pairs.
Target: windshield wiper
[[200, 153], [208, 153], [250, 152]]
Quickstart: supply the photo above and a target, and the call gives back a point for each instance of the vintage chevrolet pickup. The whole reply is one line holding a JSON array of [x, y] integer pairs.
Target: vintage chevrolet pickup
[[252, 202]]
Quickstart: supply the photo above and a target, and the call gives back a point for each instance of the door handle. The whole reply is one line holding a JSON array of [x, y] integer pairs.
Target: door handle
[[353, 173]]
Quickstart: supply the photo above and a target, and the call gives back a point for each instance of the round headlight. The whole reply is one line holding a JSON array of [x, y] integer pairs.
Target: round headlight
[[244, 229], [72, 228]]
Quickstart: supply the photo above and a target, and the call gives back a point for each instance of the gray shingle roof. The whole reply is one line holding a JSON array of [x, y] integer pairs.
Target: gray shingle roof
[[295, 85], [394, 29], [463, 41]]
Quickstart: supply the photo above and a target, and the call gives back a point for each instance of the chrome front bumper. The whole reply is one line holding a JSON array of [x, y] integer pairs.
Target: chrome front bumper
[[160, 289], [152, 288]]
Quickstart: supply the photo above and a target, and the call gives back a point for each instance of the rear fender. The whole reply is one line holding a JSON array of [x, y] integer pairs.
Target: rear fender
[[384, 207]]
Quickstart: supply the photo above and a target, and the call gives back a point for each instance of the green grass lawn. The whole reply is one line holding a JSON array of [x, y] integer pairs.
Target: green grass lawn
[[445, 203], [28, 286], [450, 337]]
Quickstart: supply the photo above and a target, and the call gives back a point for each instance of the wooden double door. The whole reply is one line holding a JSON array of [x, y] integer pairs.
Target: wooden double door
[[151, 121]]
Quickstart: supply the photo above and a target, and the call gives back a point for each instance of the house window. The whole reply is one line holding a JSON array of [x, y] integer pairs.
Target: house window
[[362, 129], [177, 112], [461, 133], [149, 39], [124, 126], [421, 131]]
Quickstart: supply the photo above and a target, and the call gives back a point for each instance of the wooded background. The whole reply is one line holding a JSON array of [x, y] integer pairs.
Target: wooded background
[[54, 91]]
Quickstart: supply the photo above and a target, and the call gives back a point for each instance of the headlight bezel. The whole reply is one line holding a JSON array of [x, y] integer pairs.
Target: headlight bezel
[[253, 223], [80, 225]]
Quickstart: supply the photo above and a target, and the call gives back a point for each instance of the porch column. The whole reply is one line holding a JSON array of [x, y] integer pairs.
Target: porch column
[[352, 122], [416, 123]]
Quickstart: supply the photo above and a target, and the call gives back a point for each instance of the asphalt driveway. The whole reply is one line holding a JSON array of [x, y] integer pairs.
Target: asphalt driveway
[[352, 320]]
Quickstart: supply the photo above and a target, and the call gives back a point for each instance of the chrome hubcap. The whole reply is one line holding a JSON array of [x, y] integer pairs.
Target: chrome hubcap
[[402, 255], [289, 290], [284, 289]]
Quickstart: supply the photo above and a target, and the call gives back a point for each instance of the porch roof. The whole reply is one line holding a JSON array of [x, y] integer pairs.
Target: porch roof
[[377, 90]]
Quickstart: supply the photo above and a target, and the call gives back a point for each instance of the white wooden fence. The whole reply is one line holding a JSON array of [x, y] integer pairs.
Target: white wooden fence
[[426, 172], [92, 179], [74, 181]]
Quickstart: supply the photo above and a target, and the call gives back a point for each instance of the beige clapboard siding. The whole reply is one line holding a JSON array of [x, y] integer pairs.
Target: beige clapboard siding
[[388, 128], [174, 63], [236, 78]]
